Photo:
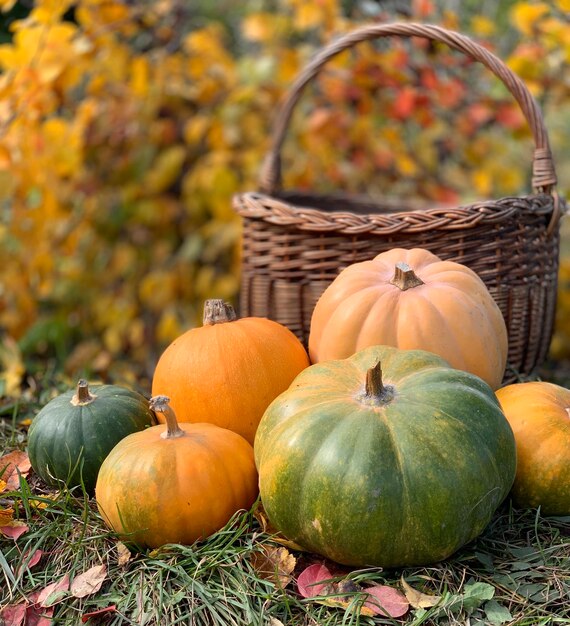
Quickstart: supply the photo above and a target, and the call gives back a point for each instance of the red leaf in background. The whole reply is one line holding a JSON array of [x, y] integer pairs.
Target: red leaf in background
[[422, 8], [510, 116], [451, 93], [15, 530], [9, 463], [13, 614], [54, 593], [404, 104], [310, 581], [479, 113], [108, 609], [429, 78], [386, 601], [38, 616]]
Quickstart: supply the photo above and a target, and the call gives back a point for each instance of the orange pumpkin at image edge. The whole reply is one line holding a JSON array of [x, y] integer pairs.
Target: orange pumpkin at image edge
[[412, 300], [539, 414], [229, 370]]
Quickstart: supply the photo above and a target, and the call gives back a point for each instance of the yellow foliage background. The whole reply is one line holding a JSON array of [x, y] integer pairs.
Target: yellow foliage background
[[127, 127]]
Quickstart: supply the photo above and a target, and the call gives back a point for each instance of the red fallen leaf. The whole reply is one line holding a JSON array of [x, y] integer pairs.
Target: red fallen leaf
[[38, 616], [10, 464], [404, 103], [312, 581], [28, 561], [13, 614], [54, 593], [386, 601], [108, 609], [14, 530]]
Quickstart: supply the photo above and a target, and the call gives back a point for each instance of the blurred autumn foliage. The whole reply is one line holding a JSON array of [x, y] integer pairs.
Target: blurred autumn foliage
[[127, 126]]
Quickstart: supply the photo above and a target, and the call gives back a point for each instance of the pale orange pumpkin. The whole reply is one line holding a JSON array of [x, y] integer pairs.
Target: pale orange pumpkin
[[539, 414], [176, 483], [411, 299], [229, 370]]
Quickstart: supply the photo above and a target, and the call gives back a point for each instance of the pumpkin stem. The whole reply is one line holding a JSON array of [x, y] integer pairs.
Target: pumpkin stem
[[82, 396], [217, 311], [374, 386], [405, 277], [160, 404], [375, 391]]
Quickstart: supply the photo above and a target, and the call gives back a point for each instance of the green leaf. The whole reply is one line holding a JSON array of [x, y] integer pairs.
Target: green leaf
[[475, 594], [497, 613]]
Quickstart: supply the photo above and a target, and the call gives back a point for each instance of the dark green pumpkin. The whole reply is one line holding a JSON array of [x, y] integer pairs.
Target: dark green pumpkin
[[71, 436], [388, 468]]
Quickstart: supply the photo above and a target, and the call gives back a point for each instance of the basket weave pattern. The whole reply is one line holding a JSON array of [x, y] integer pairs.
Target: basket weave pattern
[[295, 244]]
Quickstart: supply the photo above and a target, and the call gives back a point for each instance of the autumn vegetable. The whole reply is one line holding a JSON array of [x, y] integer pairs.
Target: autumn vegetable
[[175, 483], [539, 414], [229, 370], [388, 458], [74, 432], [411, 299]]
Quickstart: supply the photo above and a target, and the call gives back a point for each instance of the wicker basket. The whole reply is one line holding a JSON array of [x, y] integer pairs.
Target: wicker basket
[[295, 244]]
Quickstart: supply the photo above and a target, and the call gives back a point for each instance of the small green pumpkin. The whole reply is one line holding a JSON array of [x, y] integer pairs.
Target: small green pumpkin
[[71, 436], [387, 458]]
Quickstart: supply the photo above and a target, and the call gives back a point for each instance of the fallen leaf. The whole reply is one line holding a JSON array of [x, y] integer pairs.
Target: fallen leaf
[[14, 530], [12, 464], [344, 595], [89, 582], [6, 516], [38, 616], [26, 422], [124, 553], [3, 485], [386, 601], [417, 599], [13, 614], [274, 564], [54, 593], [314, 580], [28, 561], [108, 609]]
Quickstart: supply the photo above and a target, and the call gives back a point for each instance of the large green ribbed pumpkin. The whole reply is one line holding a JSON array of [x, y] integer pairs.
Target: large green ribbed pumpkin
[[73, 433], [388, 458]]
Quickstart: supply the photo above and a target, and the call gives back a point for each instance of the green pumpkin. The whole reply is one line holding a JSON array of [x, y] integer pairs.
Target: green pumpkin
[[71, 436], [388, 458]]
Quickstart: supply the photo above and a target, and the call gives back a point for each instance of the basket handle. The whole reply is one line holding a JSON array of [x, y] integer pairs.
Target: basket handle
[[543, 171]]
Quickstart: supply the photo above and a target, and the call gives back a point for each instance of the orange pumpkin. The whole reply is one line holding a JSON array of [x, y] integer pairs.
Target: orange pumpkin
[[175, 483], [539, 414], [228, 371], [411, 299]]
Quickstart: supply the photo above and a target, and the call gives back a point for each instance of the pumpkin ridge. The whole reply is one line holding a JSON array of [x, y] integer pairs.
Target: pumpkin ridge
[[394, 303], [443, 319]]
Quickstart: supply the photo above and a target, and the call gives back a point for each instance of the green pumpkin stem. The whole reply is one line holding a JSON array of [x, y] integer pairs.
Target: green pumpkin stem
[[160, 404], [217, 311], [405, 277], [82, 396]]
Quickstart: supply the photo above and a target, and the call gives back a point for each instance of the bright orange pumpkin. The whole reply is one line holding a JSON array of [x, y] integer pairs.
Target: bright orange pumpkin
[[539, 414], [229, 370], [411, 299], [175, 483]]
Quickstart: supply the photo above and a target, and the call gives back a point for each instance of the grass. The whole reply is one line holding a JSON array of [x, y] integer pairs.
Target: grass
[[516, 572]]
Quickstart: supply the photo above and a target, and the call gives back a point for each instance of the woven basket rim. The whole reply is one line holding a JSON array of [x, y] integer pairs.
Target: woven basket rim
[[382, 217]]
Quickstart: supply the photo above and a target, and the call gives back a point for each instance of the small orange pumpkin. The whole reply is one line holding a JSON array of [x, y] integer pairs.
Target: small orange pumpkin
[[539, 414], [412, 300], [175, 483], [228, 371]]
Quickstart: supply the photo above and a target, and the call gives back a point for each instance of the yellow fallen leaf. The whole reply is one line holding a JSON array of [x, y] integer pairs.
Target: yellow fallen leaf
[[417, 599], [6, 516], [124, 554], [274, 564]]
